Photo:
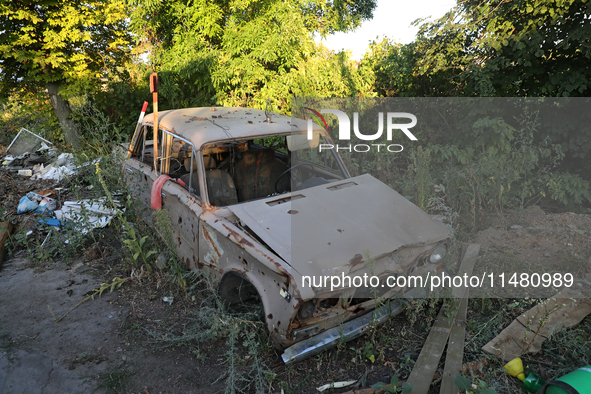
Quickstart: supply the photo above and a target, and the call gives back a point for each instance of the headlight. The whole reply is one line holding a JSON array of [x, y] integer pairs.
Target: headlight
[[438, 254]]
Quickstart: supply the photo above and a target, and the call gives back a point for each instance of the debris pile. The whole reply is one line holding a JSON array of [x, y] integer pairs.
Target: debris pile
[[30, 155], [34, 190], [26, 152]]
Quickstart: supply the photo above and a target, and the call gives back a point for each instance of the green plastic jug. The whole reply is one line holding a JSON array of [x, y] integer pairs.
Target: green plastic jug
[[576, 382]]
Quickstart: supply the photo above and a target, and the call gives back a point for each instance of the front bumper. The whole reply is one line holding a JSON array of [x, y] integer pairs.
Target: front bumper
[[345, 332]]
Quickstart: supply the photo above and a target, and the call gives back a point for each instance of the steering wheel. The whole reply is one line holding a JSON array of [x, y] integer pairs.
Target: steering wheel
[[295, 176]]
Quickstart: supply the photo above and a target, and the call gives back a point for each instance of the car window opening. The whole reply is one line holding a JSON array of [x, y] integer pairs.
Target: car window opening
[[248, 170]]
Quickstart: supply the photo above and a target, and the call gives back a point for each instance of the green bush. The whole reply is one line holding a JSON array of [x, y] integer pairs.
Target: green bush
[[30, 111], [505, 167]]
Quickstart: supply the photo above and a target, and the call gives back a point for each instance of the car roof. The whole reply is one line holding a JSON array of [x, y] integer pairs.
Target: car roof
[[208, 124]]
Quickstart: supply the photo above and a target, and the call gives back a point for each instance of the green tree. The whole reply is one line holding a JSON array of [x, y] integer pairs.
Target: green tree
[[509, 48], [393, 66], [501, 48], [518, 48], [242, 52], [62, 46]]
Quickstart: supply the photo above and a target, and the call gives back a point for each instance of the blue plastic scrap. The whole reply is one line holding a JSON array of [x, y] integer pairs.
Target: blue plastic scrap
[[50, 222], [36, 203]]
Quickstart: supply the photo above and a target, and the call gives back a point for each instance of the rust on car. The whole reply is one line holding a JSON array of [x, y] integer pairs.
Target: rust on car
[[356, 260], [243, 196], [238, 238], [213, 244]]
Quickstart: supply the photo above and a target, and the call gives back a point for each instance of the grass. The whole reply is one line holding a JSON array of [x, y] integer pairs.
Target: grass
[[245, 349], [132, 331], [115, 380], [237, 344], [8, 345]]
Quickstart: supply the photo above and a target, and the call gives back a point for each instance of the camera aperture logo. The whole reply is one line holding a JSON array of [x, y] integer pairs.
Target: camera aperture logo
[[345, 130]]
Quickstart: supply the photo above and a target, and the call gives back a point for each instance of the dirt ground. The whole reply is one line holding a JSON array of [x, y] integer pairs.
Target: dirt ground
[[109, 344], [91, 347]]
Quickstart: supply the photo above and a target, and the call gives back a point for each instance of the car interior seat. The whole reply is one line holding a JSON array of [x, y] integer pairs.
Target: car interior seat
[[220, 185], [256, 173]]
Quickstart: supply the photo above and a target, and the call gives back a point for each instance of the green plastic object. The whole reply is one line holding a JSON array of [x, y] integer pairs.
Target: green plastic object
[[579, 380], [532, 383]]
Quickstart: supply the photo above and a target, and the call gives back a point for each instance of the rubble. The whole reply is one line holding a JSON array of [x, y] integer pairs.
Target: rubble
[[33, 175], [89, 213]]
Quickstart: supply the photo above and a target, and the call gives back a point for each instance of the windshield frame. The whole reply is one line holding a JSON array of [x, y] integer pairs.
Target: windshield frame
[[340, 173]]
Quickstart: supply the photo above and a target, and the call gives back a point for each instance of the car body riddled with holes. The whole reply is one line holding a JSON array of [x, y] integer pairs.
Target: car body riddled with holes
[[253, 201]]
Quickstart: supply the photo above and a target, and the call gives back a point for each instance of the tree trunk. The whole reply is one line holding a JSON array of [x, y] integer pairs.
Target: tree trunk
[[62, 111]]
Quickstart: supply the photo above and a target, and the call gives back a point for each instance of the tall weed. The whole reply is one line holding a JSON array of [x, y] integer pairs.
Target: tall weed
[[99, 134], [506, 167]]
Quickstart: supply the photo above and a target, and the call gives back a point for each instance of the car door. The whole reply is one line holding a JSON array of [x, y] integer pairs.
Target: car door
[[182, 206]]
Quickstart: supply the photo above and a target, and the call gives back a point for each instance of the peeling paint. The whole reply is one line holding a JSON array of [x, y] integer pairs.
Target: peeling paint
[[216, 250], [356, 260]]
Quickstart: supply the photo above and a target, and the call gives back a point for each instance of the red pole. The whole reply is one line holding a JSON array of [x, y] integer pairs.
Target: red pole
[[154, 91]]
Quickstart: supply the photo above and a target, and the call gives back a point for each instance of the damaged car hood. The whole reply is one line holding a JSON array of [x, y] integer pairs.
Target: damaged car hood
[[331, 228]]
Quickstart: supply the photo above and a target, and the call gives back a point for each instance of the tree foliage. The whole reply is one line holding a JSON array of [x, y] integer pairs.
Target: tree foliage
[[508, 48], [242, 52], [499, 48], [64, 46], [75, 42], [393, 68]]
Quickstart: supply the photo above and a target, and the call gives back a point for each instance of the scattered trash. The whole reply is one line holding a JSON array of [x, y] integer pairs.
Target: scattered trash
[[58, 170], [474, 366], [45, 240], [26, 142], [50, 222], [36, 203], [94, 213], [26, 205], [46, 205], [578, 381], [336, 385], [161, 261], [46, 193], [27, 152], [533, 383], [30, 155], [168, 299]]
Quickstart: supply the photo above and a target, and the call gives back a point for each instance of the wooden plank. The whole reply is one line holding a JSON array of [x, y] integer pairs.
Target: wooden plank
[[5, 229], [455, 352], [455, 348], [466, 267], [422, 374], [426, 365]]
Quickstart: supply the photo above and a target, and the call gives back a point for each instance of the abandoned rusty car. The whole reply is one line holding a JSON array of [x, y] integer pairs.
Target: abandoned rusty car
[[253, 201]]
